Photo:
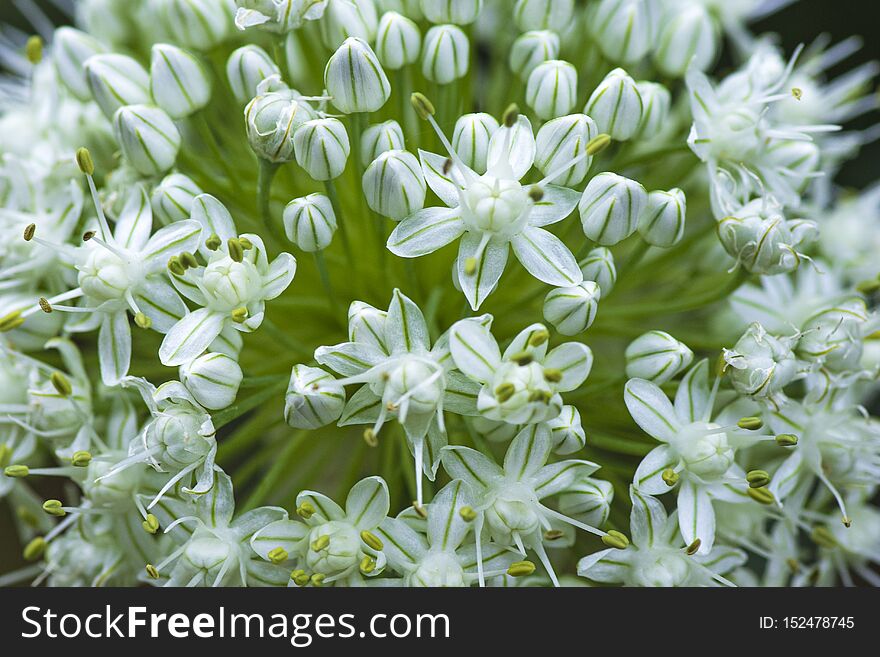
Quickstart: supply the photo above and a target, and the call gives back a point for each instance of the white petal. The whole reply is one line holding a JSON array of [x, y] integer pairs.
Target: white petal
[[171, 240], [446, 527], [469, 465], [574, 360], [693, 397], [474, 350], [405, 326], [559, 476], [651, 409], [349, 358], [696, 517], [512, 150], [367, 503], [279, 275], [647, 520], [443, 184], [787, 476], [286, 534], [425, 231], [325, 508], [135, 222], [609, 566], [546, 257], [521, 340], [528, 452], [189, 337], [648, 477], [114, 347], [216, 507], [159, 301], [556, 204], [214, 219], [403, 545], [489, 267]]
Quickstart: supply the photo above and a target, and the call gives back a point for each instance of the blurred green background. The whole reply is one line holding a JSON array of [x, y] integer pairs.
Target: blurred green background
[[799, 23]]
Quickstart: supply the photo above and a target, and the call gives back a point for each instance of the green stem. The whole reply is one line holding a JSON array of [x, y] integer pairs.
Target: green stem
[[328, 287], [265, 175], [333, 195], [207, 135], [235, 411]]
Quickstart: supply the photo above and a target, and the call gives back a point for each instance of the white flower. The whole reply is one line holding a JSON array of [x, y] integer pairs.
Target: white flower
[[446, 54], [214, 545], [610, 208], [655, 555], [404, 377], [231, 288], [398, 41], [509, 498], [179, 83], [271, 120], [522, 385], [760, 364], [355, 79], [329, 541], [657, 357], [616, 106], [442, 555], [552, 88], [697, 453], [492, 213], [277, 15]]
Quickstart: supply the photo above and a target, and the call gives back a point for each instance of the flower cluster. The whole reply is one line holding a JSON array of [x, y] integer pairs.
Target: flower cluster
[[610, 319]]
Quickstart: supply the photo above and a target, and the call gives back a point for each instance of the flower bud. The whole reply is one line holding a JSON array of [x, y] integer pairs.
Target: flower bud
[[172, 199], [532, 48], [656, 356], [624, 29], [655, 105], [552, 88], [246, 68], [148, 138], [599, 266], [355, 79], [277, 16], [366, 324], [471, 138], [212, 379], [662, 220], [321, 148], [313, 399], [616, 106], [399, 41], [760, 364], [309, 222], [196, 24], [688, 39], [553, 15], [572, 310], [459, 12], [561, 140], [271, 121], [178, 81], [610, 208], [446, 54], [566, 431], [589, 501], [345, 19], [762, 240], [394, 185], [379, 138], [70, 50], [117, 80]]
